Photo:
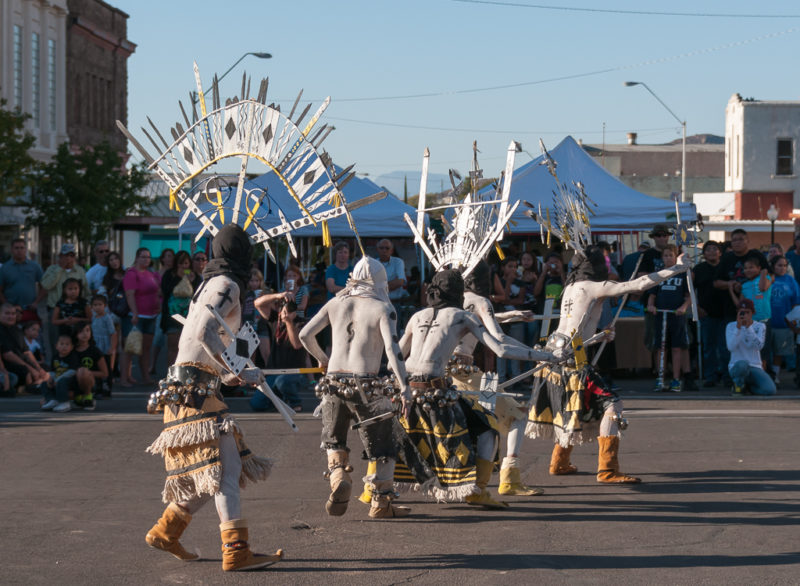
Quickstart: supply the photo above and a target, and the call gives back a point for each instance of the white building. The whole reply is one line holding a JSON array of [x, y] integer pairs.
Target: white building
[[760, 146], [761, 166], [33, 68]]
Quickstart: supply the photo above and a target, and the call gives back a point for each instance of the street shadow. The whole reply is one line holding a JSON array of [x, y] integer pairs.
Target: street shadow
[[506, 562]]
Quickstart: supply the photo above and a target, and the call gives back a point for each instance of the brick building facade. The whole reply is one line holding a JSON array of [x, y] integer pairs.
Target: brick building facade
[[97, 63]]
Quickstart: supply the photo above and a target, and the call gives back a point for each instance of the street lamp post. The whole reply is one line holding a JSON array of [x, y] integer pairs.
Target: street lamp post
[[683, 127], [260, 55], [772, 215]]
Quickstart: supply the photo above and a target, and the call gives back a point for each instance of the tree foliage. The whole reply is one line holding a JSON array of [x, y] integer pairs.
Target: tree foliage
[[82, 194], [17, 168]]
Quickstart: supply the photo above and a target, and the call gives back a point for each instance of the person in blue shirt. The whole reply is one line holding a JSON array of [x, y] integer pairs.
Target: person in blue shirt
[[336, 275], [785, 294]]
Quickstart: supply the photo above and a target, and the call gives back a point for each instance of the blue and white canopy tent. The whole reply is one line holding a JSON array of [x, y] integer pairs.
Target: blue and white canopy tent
[[619, 208]]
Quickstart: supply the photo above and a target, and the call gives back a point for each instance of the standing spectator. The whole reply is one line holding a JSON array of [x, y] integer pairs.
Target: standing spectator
[[630, 260], [745, 339], [52, 281], [509, 292], [710, 301], [143, 292], [104, 332], [395, 271], [550, 285], [530, 274], [95, 274], [730, 271], [337, 274], [287, 352], [785, 295], [199, 262], [293, 284], [71, 309], [166, 262], [317, 292], [672, 295], [177, 287], [793, 256], [20, 280], [114, 275], [257, 288], [652, 262], [16, 356]]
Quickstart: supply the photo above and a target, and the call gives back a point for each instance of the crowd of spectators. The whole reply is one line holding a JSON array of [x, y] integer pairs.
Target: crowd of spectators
[[49, 318]]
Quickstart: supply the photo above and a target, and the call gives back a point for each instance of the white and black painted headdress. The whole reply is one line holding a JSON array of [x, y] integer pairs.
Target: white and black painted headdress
[[247, 128], [478, 220]]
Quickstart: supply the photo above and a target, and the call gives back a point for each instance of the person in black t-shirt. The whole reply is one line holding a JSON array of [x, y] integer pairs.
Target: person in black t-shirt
[[730, 270], [672, 294], [92, 371], [61, 383], [16, 356], [710, 304]]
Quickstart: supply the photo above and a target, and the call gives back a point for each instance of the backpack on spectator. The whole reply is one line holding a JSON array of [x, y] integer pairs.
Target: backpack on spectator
[[117, 302]]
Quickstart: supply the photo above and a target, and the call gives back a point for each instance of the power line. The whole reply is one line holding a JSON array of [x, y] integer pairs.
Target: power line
[[486, 131], [620, 11], [506, 86]]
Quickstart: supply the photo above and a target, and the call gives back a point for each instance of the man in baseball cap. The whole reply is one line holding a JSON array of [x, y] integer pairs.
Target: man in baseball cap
[[745, 338]]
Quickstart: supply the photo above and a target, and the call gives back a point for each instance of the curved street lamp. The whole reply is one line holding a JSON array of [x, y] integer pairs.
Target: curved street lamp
[[683, 126], [260, 55]]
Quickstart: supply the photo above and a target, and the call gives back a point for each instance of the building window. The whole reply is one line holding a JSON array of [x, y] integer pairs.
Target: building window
[[17, 67], [51, 83], [785, 157], [35, 79]]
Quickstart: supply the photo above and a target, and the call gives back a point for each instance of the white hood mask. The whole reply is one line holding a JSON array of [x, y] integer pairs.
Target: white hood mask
[[367, 280]]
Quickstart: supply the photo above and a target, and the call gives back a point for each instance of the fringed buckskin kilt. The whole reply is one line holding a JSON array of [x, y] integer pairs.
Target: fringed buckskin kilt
[[190, 446], [445, 438], [564, 400]]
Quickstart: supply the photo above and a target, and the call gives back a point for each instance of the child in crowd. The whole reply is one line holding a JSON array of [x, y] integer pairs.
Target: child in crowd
[[671, 295], [757, 288], [105, 336], [256, 287], [71, 309], [93, 370], [65, 365], [784, 295], [31, 331]]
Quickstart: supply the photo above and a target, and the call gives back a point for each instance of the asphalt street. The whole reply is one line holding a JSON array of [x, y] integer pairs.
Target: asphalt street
[[718, 504]]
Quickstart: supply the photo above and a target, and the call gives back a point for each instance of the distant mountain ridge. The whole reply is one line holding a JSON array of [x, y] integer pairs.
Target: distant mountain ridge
[[395, 181]]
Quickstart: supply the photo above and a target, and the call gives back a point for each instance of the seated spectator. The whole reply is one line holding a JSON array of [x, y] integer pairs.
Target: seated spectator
[[92, 371], [31, 331], [8, 381], [56, 390], [745, 339], [757, 287], [16, 356]]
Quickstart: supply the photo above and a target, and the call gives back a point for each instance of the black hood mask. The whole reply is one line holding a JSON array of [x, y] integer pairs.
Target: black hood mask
[[232, 250], [589, 266], [479, 281], [446, 290]]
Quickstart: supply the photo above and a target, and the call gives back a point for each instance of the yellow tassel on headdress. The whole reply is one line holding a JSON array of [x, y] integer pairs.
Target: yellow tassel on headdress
[[173, 202], [326, 235], [499, 250]]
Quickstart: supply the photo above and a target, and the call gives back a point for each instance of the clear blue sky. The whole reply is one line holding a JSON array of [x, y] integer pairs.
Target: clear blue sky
[[564, 64]]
